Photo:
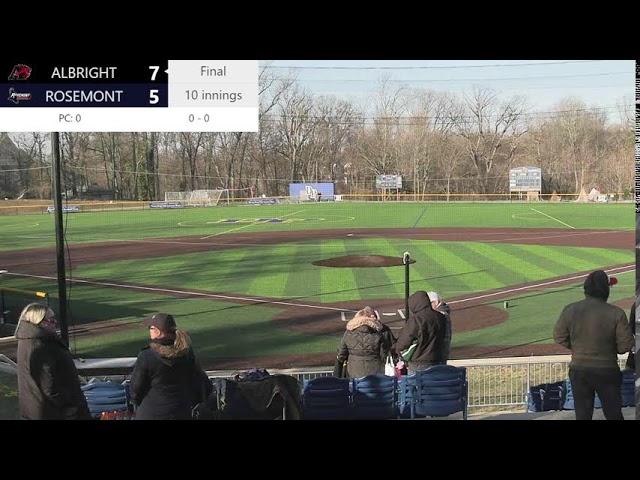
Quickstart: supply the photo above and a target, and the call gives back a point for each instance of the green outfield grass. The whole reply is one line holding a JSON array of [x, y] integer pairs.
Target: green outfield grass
[[533, 315], [36, 230], [221, 329], [286, 270], [227, 329]]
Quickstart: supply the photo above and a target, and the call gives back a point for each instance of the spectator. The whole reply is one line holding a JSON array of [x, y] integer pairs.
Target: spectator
[[167, 381], [48, 383], [595, 332], [439, 305], [426, 328], [631, 359], [365, 345]]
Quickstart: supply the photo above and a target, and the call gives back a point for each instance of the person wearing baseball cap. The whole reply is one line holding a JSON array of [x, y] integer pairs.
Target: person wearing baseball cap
[[595, 332], [167, 380]]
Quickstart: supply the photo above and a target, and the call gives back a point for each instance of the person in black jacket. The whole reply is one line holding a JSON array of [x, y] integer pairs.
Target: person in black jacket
[[425, 327], [48, 383], [167, 381], [365, 345]]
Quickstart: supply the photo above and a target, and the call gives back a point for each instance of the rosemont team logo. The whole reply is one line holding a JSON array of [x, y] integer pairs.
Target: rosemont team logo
[[20, 72], [17, 97]]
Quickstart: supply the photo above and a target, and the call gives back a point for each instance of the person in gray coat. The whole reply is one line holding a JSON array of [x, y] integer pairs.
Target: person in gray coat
[[48, 382], [595, 332]]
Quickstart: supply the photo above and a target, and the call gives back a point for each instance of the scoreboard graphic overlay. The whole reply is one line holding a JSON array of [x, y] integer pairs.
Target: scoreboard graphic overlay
[[154, 96]]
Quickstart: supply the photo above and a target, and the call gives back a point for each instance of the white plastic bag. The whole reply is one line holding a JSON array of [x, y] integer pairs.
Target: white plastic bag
[[389, 367]]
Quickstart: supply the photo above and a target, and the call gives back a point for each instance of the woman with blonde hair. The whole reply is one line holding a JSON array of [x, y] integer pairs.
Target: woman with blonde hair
[[48, 383], [365, 345]]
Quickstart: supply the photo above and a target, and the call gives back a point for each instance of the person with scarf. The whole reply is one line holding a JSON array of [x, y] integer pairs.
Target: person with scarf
[[167, 382], [365, 346]]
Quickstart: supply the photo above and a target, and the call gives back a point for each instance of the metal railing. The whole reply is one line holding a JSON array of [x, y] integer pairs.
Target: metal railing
[[494, 384]]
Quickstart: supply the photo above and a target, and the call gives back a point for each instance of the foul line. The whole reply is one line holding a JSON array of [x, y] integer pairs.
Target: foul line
[[552, 218], [420, 217], [184, 292], [528, 287], [245, 226]]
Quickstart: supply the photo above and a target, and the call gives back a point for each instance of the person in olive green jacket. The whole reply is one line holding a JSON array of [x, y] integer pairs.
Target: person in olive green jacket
[[595, 332]]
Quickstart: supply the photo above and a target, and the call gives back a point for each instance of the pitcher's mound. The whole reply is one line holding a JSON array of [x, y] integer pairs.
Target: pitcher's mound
[[352, 261]]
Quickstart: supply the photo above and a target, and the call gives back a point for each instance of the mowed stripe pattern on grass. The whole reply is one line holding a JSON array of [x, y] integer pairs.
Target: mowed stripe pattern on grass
[[286, 270]]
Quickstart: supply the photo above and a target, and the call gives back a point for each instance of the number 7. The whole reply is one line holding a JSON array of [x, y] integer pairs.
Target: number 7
[[155, 69]]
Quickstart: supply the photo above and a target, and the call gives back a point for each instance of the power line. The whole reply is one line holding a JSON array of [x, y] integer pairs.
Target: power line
[[23, 169], [457, 118], [424, 67], [489, 79]]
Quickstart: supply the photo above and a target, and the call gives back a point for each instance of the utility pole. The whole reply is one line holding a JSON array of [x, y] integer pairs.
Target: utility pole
[[57, 204]]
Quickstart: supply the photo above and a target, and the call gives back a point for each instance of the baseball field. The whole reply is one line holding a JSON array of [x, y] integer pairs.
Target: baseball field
[[271, 285]]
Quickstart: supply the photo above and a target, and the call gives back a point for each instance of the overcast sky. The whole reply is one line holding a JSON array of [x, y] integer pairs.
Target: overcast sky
[[600, 83]]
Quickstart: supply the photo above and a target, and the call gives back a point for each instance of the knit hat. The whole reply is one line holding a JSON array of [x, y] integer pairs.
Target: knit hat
[[597, 285]]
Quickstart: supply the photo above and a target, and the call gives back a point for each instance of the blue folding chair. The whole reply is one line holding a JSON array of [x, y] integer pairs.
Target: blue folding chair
[[374, 397], [326, 398], [440, 391], [628, 388], [406, 391], [105, 397]]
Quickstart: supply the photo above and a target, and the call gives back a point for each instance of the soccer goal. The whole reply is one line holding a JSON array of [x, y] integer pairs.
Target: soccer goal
[[196, 198]]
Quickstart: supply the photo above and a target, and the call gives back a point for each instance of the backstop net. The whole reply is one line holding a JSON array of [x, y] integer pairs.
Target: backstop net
[[195, 198]]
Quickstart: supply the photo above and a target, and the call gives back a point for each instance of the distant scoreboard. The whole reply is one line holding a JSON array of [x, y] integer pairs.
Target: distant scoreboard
[[116, 96], [525, 179], [388, 181]]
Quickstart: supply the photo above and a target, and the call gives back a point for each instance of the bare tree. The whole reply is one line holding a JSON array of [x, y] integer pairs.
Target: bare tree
[[491, 131]]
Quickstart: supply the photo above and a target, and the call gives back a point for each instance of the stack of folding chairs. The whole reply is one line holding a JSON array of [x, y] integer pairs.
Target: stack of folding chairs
[[108, 400]]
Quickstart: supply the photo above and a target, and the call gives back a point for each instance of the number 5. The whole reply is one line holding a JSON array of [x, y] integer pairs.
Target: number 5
[[153, 97], [155, 69]]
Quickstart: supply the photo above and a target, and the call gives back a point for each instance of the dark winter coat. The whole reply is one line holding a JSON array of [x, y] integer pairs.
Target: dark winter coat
[[365, 346], [595, 332], [167, 381], [631, 360], [48, 383], [427, 327], [445, 310]]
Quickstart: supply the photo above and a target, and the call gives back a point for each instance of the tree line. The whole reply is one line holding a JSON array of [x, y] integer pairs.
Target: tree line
[[438, 141]]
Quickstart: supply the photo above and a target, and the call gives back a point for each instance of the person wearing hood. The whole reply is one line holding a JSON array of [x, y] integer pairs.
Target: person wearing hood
[[439, 305], [425, 327], [167, 381], [595, 332], [48, 383], [365, 345]]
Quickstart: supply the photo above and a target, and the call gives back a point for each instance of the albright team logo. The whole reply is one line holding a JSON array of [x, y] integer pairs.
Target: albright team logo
[[17, 97], [20, 72]]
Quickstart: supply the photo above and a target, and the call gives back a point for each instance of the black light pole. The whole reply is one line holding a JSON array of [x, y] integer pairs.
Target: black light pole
[[407, 260], [57, 204]]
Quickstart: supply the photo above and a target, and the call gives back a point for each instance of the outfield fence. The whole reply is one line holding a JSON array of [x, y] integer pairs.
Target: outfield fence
[[21, 207]]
